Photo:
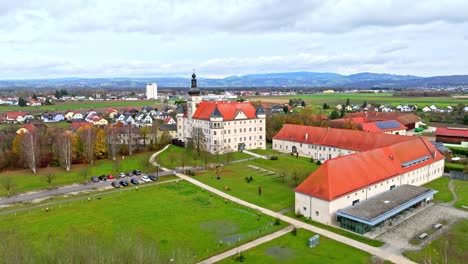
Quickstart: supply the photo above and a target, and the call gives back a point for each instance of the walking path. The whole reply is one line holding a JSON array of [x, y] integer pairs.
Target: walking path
[[379, 252], [247, 246], [454, 194], [254, 154]]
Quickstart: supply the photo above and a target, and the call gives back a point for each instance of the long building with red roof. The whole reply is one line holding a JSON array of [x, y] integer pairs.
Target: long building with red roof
[[452, 135], [357, 166], [222, 126]]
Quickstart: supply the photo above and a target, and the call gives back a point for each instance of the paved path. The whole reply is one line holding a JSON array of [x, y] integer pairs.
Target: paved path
[[247, 246], [254, 154], [62, 190], [379, 252], [83, 197]]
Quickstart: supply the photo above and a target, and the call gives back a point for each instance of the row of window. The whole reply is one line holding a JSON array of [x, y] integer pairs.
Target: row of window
[[240, 139]]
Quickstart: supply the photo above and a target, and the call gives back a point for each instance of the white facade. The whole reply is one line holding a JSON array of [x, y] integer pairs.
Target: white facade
[[317, 152], [151, 91], [325, 211]]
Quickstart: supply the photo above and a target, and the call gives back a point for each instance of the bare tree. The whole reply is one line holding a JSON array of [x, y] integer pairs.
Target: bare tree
[[132, 138], [112, 142], [30, 150], [84, 172], [64, 146], [8, 184], [88, 139], [198, 140], [49, 178]]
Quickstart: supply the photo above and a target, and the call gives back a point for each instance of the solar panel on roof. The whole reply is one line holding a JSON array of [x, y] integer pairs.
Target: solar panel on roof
[[387, 124]]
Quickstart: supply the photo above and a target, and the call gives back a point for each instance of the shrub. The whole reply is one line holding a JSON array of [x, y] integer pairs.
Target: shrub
[[298, 214], [277, 221], [459, 151], [273, 157], [294, 231], [318, 162], [251, 178], [311, 160]]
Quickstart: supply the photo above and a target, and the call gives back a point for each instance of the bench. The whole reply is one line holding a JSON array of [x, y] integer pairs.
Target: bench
[[437, 226], [423, 236]]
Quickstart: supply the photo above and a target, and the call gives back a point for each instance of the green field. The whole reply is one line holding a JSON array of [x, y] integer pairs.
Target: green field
[[25, 181], [359, 98], [441, 185], [450, 247], [79, 106], [294, 249], [177, 220], [276, 180], [176, 156], [461, 189]]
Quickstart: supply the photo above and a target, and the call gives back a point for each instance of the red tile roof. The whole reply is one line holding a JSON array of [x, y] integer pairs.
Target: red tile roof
[[331, 181], [14, 115], [404, 118], [228, 110], [452, 131], [341, 138]]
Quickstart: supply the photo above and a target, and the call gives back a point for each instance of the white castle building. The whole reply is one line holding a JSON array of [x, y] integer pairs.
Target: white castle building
[[224, 126], [151, 91]]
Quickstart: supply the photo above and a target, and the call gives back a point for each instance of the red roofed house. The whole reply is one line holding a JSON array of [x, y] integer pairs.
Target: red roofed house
[[15, 117], [226, 126], [451, 135], [360, 168], [169, 120]]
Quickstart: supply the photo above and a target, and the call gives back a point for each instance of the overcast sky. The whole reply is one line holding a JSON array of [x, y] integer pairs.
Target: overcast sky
[[118, 38]]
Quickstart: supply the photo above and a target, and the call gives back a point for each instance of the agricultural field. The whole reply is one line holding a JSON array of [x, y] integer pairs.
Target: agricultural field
[[359, 98], [450, 247], [79, 106], [294, 249], [175, 220], [276, 180], [25, 181]]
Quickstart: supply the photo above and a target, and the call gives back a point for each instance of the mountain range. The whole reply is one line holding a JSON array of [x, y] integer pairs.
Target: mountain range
[[287, 79]]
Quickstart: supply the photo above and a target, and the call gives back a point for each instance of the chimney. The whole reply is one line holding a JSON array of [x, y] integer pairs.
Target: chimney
[[306, 136], [390, 157]]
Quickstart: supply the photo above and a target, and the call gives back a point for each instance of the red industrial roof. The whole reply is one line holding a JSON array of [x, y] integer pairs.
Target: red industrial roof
[[228, 110], [331, 180], [341, 138], [452, 132], [372, 127]]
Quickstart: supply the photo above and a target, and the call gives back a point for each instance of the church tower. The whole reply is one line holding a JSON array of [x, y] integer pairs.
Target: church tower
[[194, 97]]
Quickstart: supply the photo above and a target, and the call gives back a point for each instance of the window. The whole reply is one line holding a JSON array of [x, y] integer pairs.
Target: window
[[316, 213], [392, 187], [214, 133], [355, 202], [304, 208]]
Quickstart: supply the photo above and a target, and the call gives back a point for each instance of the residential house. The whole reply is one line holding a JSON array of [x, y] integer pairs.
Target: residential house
[[169, 120], [15, 117]]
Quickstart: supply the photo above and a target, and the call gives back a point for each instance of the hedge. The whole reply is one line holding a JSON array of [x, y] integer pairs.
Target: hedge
[[453, 167], [459, 151]]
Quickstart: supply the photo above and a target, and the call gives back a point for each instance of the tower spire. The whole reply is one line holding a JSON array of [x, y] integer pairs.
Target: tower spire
[[194, 90], [194, 79]]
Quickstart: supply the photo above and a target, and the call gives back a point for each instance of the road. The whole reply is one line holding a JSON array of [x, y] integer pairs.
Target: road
[[64, 190]]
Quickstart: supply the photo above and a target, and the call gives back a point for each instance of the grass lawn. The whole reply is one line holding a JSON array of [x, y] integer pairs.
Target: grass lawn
[[265, 152], [79, 106], [355, 236], [173, 217], [461, 189], [176, 156], [452, 244], [359, 98], [277, 191], [25, 181], [441, 185], [295, 249]]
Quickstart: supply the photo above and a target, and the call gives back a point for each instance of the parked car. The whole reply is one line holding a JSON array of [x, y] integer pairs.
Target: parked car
[[124, 183], [122, 175], [128, 173], [115, 184], [110, 177], [94, 179], [102, 178], [136, 172], [153, 178], [145, 178], [134, 181]]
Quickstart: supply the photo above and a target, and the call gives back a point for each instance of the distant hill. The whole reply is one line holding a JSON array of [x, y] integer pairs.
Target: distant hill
[[286, 79]]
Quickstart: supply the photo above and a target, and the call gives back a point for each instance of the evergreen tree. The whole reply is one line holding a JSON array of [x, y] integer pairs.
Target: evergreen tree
[[334, 115], [364, 104], [347, 102], [291, 102], [21, 102], [303, 104]]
